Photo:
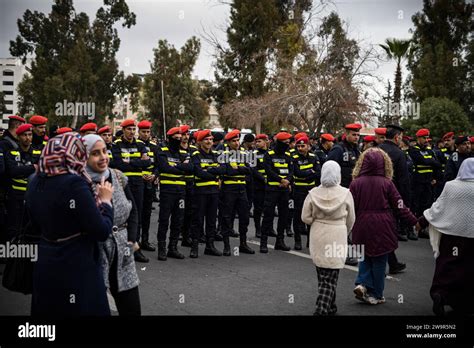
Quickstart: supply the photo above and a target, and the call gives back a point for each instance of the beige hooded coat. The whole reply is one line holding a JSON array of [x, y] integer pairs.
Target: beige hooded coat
[[329, 209]]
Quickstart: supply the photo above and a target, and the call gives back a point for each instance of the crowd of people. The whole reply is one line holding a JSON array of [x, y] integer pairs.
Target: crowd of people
[[89, 194]]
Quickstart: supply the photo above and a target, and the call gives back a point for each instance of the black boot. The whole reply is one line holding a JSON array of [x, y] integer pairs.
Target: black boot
[[234, 234], [218, 237], [258, 233], [162, 251], [147, 246], [280, 245], [173, 251], [202, 239], [244, 248], [263, 245], [226, 251], [194, 249], [139, 257], [187, 242], [298, 241], [211, 249], [289, 232], [272, 233]]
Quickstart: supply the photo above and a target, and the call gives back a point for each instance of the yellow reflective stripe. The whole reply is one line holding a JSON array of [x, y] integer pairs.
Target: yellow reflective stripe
[[261, 170], [207, 183], [189, 176], [150, 153], [280, 165], [427, 156], [422, 166], [110, 155], [172, 164], [171, 175], [305, 183], [36, 152], [171, 182], [306, 166], [271, 152], [146, 173], [20, 181], [237, 164], [133, 174], [128, 154], [425, 171], [231, 182], [15, 153], [203, 165], [273, 183], [164, 148], [19, 188]]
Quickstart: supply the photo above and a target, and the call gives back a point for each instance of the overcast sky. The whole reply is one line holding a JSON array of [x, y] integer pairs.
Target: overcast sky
[[176, 21]]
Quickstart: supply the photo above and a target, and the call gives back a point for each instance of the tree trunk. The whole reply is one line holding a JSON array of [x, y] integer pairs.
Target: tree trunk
[[397, 92]]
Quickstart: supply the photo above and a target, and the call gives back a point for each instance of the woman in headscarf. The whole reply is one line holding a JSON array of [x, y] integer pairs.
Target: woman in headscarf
[[120, 274], [70, 218], [451, 228], [377, 205], [329, 209]]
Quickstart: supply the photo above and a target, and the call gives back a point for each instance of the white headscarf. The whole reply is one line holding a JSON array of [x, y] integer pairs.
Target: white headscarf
[[466, 171], [89, 141], [330, 174]]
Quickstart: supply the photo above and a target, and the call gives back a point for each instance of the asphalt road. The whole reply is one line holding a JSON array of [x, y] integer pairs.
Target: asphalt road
[[277, 283]]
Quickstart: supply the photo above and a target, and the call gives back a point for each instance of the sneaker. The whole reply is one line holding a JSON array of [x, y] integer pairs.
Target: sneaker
[[372, 300], [361, 292], [381, 300]]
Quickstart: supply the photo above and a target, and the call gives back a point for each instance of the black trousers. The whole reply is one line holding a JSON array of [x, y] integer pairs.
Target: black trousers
[[291, 210], [299, 226], [128, 301], [231, 202], [148, 195], [422, 197], [205, 209], [188, 210], [171, 206], [273, 199], [258, 201], [15, 216], [137, 187], [392, 260]]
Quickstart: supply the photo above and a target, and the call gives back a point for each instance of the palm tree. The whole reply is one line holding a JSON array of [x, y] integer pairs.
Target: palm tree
[[397, 50]]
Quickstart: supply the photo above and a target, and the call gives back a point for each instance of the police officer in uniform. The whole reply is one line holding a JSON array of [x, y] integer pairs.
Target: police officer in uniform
[[173, 166], [426, 168], [463, 151], [233, 196], [307, 174], [63, 130], [259, 177], [19, 165], [131, 157], [149, 176], [106, 134], [88, 128], [326, 143], [279, 170], [380, 136], [207, 170], [39, 131]]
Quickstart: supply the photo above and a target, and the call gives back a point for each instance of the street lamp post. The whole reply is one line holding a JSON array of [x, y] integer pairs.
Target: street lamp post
[[163, 105]]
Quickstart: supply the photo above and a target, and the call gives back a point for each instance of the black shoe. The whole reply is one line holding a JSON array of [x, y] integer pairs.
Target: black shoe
[[194, 249], [147, 246], [245, 249], [289, 232], [187, 242], [263, 246], [139, 257], [402, 237], [298, 245], [211, 250], [162, 251], [173, 251], [412, 235], [258, 233], [218, 237], [226, 251], [272, 233], [438, 306], [352, 261], [234, 234], [398, 268], [280, 245]]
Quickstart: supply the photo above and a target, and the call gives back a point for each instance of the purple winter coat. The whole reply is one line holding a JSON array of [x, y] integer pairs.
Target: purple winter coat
[[376, 202]]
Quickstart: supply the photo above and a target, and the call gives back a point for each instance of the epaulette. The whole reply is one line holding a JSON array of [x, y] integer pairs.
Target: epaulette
[[183, 151], [36, 152], [296, 156], [193, 146], [15, 153], [214, 151], [152, 143], [271, 152], [118, 141], [312, 155], [164, 148], [195, 153], [288, 153], [139, 141]]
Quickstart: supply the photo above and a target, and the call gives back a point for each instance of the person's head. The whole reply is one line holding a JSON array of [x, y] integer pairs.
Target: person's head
[[205, 140], [466, 171], [394, 133], [261, 141], [448, 140], [128, 128], [144, 130], [422, 136], [232, 139], [184, 129], [98, 159], [380, 135], [330, 174], [88, 128], [463, 145], [106, 134], [39, 125], [249, 142], [352, 133], [218, 138], [292, 143], [327, 141], [24, 135], [14, 122], [174, 138], [282, 142], [373, 162], [302, 145], [368, 142]]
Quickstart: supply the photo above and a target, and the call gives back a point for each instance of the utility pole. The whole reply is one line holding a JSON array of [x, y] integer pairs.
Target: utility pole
[[163, 104]]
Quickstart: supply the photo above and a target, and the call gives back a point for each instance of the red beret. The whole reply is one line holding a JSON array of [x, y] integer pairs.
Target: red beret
[[283, 136], [16, 117], [184, 128], [369, 138], [144, 124], [302, 140], [127, 123], [24, 128], [423, 132], [407, 138], [328, 137], [63, 130], [233, 134], [448, 135], [299, 135], [91, 126], [380, 131], [203, 134], [37, 120], [353, 126], [471, 139], [104, 129], [261, 136], [174, 130]]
